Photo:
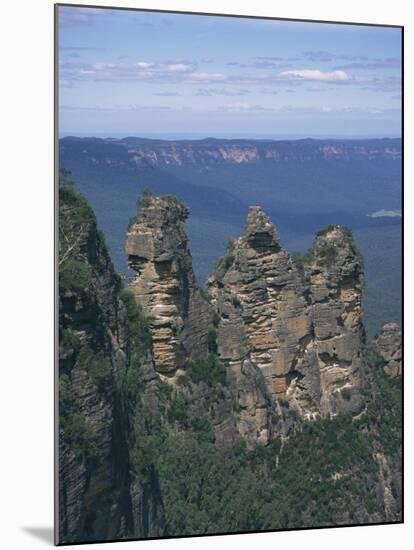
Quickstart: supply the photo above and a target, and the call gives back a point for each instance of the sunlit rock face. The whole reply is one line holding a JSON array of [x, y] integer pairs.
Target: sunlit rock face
[[298, 325], [165, 284]]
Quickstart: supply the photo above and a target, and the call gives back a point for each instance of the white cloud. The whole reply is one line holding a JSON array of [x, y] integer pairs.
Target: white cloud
[[178, 68], [144, 65], [315, 74], [208, 77]]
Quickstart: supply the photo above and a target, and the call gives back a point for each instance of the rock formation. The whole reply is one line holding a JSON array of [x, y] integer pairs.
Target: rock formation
[[259, 298], [275, 340], [334, 278], [299, 325], [289, 333], [388, 345], [165, 284]]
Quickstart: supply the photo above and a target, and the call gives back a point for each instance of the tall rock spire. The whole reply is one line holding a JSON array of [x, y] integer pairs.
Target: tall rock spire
[[334, 270], [165, 285]]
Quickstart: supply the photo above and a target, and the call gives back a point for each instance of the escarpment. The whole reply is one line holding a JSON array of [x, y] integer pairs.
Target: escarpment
[[165, 284]]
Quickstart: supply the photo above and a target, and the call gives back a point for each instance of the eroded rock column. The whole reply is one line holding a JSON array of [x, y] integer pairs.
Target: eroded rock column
[[335, 277], [165, 284]]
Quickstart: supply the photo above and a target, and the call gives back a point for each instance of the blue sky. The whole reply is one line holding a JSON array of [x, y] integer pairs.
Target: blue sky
[[176, 75]]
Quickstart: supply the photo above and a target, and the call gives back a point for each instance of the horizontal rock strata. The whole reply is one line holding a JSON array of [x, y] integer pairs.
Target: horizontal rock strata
[[165, 285]]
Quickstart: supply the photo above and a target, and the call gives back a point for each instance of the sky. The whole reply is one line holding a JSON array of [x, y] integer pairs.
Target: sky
[[134, 73]]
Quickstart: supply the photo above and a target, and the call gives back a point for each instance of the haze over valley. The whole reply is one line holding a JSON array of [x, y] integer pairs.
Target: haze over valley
[[302, 185]]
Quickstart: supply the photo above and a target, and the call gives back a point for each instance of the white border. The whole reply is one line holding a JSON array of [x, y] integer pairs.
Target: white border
[[26, 285]]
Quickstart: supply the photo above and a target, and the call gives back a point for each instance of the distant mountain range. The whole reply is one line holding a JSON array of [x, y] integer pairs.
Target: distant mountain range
[[211, 151], [301, 184]]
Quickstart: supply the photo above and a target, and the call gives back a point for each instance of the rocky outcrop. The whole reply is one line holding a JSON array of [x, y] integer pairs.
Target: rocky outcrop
[[388, 345], [334, 278], [165, 284], [299, 326], [290, 333], [264, 320]]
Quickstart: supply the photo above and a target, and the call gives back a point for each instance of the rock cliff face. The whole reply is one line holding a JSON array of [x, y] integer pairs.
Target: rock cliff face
[[264, 320], [90, 355], [334, 278], [165, 284], [95, 498], [211, 151], [388, 345], [299, 326]]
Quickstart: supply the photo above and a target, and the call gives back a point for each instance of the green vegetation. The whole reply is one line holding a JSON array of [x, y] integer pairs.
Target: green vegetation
[[327, 253], [346, 393], [208, 370], [202, 492], [132, 221], [75, 223], [383, 417], [74, 275], [176, 204], [322, 469], [97, 366], [235, 300], [325, 473], [321, 476], [178, 211], [69, 341], [325, 230], [145, 198], [212, 339], [139, 344], [178, 410], [80, 437]]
